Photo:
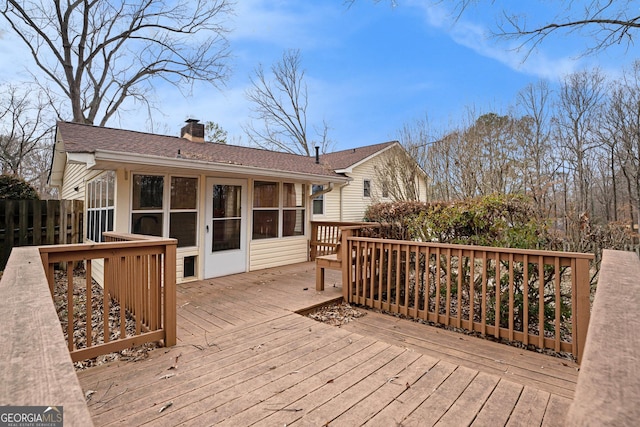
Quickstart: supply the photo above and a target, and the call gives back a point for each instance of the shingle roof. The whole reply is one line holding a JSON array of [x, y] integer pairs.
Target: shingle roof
[[81, 138], [345, 158]]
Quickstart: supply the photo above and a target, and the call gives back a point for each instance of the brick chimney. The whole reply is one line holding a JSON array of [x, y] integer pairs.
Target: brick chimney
[[193, 130]]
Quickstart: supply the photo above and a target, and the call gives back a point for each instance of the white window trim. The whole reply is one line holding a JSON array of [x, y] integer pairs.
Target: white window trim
[[321, 198], [364, 187], [280, 208], [166, 204], [100, 209]]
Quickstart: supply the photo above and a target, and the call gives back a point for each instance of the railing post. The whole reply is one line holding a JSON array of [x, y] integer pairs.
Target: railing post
[[345, 256], [314, 239], [582, 309], [170, 329]]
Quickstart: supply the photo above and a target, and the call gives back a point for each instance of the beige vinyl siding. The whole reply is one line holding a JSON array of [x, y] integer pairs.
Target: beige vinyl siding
[[75, 175], [122, 219], [180, 255], [331, 206], [353, 202], [268, 253], [97, 271]]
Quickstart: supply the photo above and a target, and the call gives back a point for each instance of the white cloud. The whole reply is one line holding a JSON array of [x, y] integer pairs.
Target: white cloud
[[285, 24], [477, 37]]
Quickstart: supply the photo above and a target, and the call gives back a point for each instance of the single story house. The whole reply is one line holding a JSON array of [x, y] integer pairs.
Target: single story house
[[231, 208]]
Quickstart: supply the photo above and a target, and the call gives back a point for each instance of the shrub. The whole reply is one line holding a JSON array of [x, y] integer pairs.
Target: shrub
[[14, 188], [494, 220]]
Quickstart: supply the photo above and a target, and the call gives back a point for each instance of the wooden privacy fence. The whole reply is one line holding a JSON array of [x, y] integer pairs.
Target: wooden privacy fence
[[38, 222], [538, 298], [138, 294]]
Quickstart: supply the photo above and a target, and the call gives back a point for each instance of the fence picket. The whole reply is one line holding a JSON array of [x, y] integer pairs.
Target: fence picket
[[38, 222]]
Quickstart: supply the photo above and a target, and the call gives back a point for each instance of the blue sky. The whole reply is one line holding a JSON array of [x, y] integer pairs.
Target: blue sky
[[370, 68]]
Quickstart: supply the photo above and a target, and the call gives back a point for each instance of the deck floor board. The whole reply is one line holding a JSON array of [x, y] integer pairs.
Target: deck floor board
[[244, 357]]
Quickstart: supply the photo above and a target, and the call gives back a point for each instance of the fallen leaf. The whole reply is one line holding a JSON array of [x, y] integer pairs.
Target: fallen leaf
[[165, 406], [330, 381], [88, 395], [164, 377]]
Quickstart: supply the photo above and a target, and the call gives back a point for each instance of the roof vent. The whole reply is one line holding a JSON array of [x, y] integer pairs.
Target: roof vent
[[193, 130], [317, 155]]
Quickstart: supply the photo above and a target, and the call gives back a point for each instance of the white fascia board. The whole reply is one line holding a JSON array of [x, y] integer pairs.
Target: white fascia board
[[366, 159], [88, 159], [201, 165]]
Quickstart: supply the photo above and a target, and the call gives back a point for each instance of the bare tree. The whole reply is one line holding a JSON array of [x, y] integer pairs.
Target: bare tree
[[623, 126], [25, 133], [281, 106], [24, 130], [99, 53], [606, 22], [539, 162], [579, 110], [400, 173]]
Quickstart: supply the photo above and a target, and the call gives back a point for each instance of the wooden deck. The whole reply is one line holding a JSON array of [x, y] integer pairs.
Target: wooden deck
[[244, 357]]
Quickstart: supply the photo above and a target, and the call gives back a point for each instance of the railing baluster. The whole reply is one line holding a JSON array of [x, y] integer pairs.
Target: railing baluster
[[459, 293], [397, 285], [472, 283], [125, 299], [405, 285], [498, 294], [511, 297], [70, 308], [448, 265], [89, 305], [558, 304], [541, 301], [525, 300], [485, 272], [138, 281]]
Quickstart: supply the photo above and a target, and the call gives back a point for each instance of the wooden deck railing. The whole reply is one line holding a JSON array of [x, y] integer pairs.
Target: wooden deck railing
[[325, 236], [608, 389], [36, 368], [139, 280], [538, 298]]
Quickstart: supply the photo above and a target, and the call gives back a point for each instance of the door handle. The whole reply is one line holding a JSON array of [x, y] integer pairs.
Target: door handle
[[206, 228]]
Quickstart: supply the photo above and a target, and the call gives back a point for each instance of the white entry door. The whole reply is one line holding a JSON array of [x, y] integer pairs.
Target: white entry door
[[226, 227]]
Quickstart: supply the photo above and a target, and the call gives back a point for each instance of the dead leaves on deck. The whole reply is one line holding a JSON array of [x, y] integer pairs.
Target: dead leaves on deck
[[336, 314], [97, 320]]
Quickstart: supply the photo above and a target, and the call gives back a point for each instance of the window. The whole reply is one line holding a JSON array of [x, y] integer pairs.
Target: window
[[318, 202], [293, 209], [227, 217], [385, 189], [100, 206], [275, 216], [149, 208], [265, 209], [183, 214], [366, 188]]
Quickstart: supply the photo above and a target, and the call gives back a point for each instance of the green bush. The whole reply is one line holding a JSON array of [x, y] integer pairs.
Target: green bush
[[14, 188], [494, 220]]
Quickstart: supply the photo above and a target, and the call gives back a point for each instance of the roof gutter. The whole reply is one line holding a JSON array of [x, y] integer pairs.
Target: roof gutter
[[201, 165]]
